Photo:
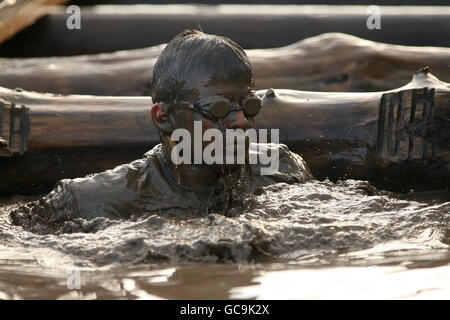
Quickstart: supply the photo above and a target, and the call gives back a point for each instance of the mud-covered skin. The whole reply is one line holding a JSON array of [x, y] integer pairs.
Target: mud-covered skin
[[144, 187], [192, 67]]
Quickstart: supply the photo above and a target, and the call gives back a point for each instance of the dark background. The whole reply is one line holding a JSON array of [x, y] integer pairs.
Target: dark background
[[112, 32]]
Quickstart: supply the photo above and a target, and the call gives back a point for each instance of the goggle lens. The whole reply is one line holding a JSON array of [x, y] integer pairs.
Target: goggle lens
[[252, 106], [221, 107]]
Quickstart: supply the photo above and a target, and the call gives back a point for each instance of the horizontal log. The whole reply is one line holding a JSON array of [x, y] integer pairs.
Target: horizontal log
[[398, 139], [110, 28], [338, 134], [329, 62], [19, 14], [77, 121]]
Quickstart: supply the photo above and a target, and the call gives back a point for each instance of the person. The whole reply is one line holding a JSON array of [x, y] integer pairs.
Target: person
[[199, 78]]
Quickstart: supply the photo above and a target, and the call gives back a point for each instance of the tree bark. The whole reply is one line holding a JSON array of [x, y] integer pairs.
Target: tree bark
[[330, 62]]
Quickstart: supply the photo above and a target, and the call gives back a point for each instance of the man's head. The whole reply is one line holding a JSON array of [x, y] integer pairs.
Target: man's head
[[193, 60], [193, 69]]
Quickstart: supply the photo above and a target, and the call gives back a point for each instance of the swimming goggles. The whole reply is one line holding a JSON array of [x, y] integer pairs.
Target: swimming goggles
[[217, 107]]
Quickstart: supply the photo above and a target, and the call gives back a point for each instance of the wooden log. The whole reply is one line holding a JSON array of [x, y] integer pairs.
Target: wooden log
[[341, 135], [69, 136], [56, 121], [398, 139], [329, 62], [16, 15], [110, 28]]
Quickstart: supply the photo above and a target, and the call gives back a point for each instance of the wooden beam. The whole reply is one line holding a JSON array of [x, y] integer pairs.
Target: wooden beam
[[329, 62]]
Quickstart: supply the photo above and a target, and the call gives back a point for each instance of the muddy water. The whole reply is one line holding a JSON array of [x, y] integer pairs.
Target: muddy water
[[312, 240]]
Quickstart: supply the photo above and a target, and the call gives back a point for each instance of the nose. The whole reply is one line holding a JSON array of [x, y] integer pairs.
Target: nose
[[236, 120]]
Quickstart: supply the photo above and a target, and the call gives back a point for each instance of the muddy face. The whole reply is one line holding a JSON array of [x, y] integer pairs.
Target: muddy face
[[221, 177], [200, 88], [236, 119], [193, 67]]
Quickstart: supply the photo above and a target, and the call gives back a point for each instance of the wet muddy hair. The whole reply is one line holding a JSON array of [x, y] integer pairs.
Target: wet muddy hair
[[193, 56]]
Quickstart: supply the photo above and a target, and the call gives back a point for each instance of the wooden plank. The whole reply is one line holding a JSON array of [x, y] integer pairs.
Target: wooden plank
[[16, 15], [110, 28], [329, 62]]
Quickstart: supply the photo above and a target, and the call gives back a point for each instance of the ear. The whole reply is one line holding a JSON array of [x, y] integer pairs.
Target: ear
[[161, 119]]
